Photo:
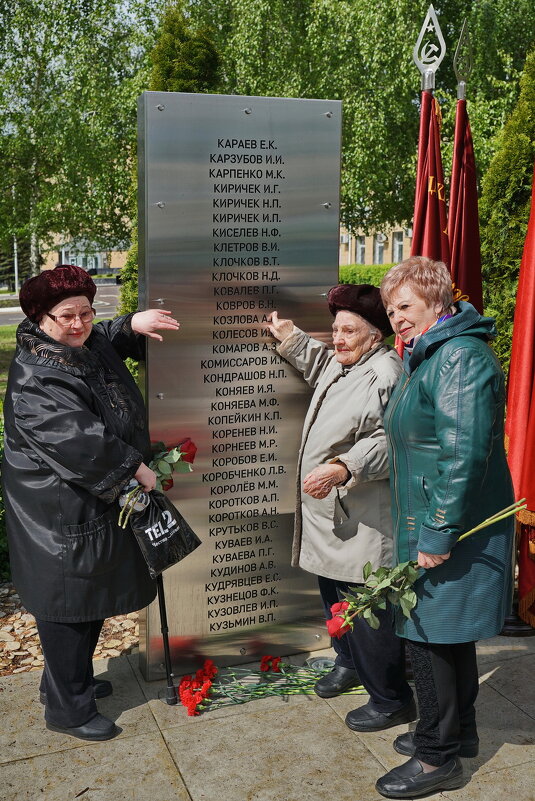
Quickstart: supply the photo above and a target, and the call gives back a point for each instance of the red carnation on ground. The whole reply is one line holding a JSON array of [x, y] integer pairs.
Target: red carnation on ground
[[265, 663], [191, 706], [192, 692], [210, 669], [269, 662]]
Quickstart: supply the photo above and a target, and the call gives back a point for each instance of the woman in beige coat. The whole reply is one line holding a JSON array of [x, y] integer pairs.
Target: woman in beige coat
[[343, 510]]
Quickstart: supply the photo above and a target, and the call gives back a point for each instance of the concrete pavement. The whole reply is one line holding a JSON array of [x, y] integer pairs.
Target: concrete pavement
[[271, 749]]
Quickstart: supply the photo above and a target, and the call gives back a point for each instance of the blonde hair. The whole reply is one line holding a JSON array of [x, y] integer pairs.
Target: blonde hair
[[429, 279]]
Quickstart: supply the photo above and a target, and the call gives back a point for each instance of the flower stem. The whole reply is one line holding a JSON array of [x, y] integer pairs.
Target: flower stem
[[510, 510], [132, 498], [127, 503]]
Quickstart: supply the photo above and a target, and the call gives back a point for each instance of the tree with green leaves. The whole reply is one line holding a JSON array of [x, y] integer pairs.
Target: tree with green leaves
[[361, 53], [504, 210], [70, 71], [182, 60]]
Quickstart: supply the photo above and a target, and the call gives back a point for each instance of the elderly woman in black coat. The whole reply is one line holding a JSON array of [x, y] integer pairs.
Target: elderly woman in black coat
[[75, 435]]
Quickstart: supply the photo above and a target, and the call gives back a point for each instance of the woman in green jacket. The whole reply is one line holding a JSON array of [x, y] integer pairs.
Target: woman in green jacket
[[448, 472]]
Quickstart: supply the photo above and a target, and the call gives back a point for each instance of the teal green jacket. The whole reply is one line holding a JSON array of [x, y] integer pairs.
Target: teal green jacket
[[448, 472]]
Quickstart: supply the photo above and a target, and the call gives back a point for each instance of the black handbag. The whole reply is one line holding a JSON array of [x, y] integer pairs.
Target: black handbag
[[163, 535]]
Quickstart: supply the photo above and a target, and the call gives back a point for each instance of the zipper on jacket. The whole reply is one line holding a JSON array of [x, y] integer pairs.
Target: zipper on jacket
[[398, 399]]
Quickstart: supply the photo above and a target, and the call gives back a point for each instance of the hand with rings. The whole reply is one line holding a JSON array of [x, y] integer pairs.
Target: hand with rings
[[152, 320]]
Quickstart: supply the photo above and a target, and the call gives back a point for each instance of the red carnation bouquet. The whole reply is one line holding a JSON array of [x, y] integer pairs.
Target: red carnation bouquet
[[194, 690], [201, 692]]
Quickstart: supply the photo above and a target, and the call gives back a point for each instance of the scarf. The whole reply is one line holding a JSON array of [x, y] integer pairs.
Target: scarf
[[405, 350]]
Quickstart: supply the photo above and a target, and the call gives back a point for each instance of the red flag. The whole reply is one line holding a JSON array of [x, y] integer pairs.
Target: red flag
[[463, 220], [520, 422], [429, 227]]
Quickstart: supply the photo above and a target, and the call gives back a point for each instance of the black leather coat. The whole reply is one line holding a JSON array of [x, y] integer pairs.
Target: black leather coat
[[75, 434]]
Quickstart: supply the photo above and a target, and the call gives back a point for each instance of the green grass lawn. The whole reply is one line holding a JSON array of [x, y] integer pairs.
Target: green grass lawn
[[7, 351]]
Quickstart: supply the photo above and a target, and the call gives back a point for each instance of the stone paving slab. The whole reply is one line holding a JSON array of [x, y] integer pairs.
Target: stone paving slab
[[298, 753], [502, 649], [127, 705], [125, 769], [378, 743], [510, 784], [507, 735], [265, 750], [23, 731], [514, 680]]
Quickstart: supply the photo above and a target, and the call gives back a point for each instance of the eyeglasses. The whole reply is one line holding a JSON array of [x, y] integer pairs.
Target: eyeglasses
[[66, 320]]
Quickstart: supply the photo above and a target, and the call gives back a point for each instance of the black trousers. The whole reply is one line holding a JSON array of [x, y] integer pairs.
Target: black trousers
[[446, 681], [377, 655], [67, 680]]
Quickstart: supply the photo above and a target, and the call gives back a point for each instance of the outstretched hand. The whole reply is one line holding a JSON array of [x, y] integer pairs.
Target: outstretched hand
[[279, 328], [152, 320]]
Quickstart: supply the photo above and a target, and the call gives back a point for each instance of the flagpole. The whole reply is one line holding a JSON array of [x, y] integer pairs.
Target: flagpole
[[463, 215], [463, 61], [429, 229], [429, 50], [429, 222]]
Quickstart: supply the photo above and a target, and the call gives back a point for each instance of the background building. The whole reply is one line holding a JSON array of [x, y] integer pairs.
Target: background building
[[383, 247], [83, 254]]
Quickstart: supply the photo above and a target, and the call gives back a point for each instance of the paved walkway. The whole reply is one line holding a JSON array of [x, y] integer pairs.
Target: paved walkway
[[266, 750]]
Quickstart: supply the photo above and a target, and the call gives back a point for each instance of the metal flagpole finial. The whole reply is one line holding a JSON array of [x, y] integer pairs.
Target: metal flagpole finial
[[463, 61], [430, 49]]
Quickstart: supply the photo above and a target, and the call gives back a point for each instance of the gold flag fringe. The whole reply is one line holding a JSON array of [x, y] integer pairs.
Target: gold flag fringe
[[527, 517], [524, 608]]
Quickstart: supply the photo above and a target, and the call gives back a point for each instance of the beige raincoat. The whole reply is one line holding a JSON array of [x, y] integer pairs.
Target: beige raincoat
[[336, 536]]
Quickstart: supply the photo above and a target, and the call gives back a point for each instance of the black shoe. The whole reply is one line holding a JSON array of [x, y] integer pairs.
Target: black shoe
[[404, 744], [410, 781], [98, 728], [336, 682], [103, 688], [366, 718]]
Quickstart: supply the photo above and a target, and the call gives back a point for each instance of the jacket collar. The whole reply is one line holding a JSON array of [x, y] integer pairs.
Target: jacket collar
[[465, 322], [381, 347], [37, 347]]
